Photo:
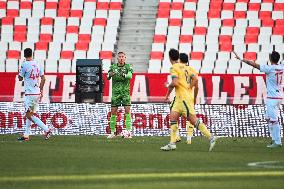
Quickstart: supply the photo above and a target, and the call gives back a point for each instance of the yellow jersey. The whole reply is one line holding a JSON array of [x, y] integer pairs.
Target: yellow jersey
[[190, 74], [179, 71]]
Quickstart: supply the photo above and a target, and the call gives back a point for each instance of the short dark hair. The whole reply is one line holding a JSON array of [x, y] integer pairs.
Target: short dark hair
[[121, 52], [174, 54], [28, 52], [183, 58], [274, 56]]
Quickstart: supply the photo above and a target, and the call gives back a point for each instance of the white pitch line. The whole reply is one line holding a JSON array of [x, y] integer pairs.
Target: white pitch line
[[266, 164], [140, 176]]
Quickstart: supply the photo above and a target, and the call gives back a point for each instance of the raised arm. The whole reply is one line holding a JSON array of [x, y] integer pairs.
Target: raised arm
[[249, 62]]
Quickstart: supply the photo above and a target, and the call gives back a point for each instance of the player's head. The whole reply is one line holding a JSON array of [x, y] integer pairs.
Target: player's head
[[183, 58], [274, 57], [174, 55], [121, 57], [28, 53]]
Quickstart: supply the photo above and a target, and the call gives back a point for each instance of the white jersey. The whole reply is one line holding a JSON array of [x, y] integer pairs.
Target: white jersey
[[31, 72], [274, 74]]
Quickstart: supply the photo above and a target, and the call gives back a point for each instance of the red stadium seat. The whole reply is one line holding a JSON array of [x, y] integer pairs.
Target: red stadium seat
[[185, 39], [51, 5], [196, 55], [217, 5], [250, 56], [84, 37], [163, 13], [160, 39], [164, 5], [188, 14], [45, 37], [2, 5], [278, 30], [46, 21], [200, 30], [228, 22], [66, 4], [20, 37], [83, 46], [228, 47], [13, 54], [214, 13], [177, 6], [63, 13], [264, 15], [25, 5], [72, 29], [67, 55], [105, 55], [41, 46], [156, 55], [229, 6], [76, 13], [100, 21], [20, 29], [115, 6], [240, 15], [7, 21], [254, 6], [102, 5], [278, 6], [279, 23], [12, 13], [252, 31], [251, 39], [225, 39], [267, 22], [175, 22]]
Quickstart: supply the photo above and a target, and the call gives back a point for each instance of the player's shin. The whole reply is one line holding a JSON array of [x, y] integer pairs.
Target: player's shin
[[174, 128], [37, 121], [190, 128], [112, 123], [28, 128], [203, 129], [128, 122]]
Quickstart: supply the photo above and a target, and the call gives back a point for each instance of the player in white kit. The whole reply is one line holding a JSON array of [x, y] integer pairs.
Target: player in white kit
[[31, 73], [274, 74]]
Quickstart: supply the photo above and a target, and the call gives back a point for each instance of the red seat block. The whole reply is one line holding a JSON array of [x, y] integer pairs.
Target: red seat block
[[214, 13], [267, 22], [65, 4], [100, 21], [41, 46], [251, 39], [155, 55], [20, 37], [20, 29], [102, 5], [46, 21], [196, 55], [2, 5], [188, 14], [83, 46], [51, 5], [252, 31], [76, 13], [278, 30], [279, 23], [250, 56], [264, 15], [105, 55], [254, 6], [185, 39], [84, 37], [217, 5], [225, 39], [160, 39], [164, 5], [163, 13], [63, 13], [45, 37], [278, 6], [228, 47], [12, 13], [13, 54], [67, 55], [200, 30], [229, 6], [115, 6], [7, 21], [175, 22], [228, 22], [240, 14], [25, 5], [177, 6], [72, 29]]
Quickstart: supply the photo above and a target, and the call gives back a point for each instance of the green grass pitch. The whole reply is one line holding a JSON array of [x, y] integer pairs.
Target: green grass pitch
[[75, 162]]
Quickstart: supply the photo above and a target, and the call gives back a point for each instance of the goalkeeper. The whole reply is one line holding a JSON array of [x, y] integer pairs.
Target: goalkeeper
[[121, 74]]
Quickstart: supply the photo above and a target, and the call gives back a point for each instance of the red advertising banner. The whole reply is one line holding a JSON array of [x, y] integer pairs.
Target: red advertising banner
[[213, 88]]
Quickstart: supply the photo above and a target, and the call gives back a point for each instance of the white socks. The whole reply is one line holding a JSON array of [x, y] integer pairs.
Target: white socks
[[276, 133], [37, 121], [28, 128]]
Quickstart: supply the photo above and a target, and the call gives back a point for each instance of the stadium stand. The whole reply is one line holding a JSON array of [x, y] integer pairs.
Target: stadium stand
[[210, 30], [59, 31]]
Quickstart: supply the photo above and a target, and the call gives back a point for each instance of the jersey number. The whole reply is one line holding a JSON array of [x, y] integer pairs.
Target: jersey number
[[279, 78], [34, 73]]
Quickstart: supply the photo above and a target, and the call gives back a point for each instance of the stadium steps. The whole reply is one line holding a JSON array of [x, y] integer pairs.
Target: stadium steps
[[136, 32]]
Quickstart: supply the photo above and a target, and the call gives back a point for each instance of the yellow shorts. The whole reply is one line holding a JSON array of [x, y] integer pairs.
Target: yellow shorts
[[184, 107]]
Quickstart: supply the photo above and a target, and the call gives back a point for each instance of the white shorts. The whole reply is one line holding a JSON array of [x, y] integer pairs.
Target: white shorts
[[272, 109], [31, 103]]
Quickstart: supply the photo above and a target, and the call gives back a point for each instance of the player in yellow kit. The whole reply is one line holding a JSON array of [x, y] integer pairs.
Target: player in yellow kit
[[182, 103]]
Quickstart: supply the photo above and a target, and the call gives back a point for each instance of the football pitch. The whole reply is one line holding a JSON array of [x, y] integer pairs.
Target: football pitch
[[75, 162]]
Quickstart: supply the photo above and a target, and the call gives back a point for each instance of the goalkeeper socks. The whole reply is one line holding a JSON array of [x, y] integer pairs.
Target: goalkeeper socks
[[203, 129], [174, 128], [112, 123], [37, 121], [128, 122], [28, 128]]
